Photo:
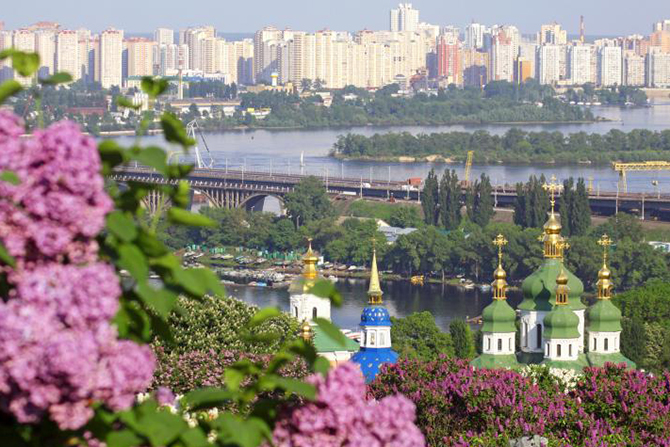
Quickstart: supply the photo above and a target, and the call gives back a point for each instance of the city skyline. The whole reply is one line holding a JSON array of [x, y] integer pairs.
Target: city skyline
[[602, 17]]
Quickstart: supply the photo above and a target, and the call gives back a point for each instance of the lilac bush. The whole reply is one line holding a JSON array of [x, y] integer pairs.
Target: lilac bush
[[462, 406], [341, 416], [59, 352]]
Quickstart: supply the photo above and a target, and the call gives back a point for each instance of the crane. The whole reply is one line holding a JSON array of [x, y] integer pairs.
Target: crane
[[622, 168], [191, 129], [468, 168]]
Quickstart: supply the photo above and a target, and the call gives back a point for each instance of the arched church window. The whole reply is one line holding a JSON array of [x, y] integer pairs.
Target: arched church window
[[500, 344], [488, 344], [509, 344], [525, 334], [314, 313], [382, 339], [570, 350], [606, 344], [372, 338], [295, 310], [539, 336], [595, 344], [558, 350]]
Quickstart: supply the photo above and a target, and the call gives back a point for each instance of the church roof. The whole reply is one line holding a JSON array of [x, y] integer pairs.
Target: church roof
[[604, 316], [490, 361], [309, 276], [576, 365], [498, 317], [599, 360], [323, 343], [375, 316], [371, 359], [539, 289], [561, 322]]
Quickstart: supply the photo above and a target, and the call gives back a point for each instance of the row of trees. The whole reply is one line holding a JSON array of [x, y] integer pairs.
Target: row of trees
[[441, 201], [515, 146]]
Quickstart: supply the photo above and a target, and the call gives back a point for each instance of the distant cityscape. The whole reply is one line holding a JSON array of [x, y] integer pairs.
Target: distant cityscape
[[408, 52]]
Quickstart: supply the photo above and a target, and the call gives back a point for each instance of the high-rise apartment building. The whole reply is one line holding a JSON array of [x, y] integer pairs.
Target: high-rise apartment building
[[658, 68], [404, 18], [194, 38], [503, 53], [633, 69], [164, 36], [23, 40], [552, 34], [449, 58], [6, 71], [549, 64], [474, 36], [475, 68], [580, 64], [140, 56], [45, 46], [266, 42], [528, 54], [67, 53], [610, 64], [110, 60]]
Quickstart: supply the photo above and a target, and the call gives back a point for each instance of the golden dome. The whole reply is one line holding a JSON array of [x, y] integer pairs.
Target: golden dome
[[499, 273], [553, 225], [306, 331], [562, 278], [304, 282], [604, 273]]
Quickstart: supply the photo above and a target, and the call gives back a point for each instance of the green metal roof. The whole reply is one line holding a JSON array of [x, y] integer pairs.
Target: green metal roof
[[599, 360], [576, 365], [498, 317], [323, 343], [604, 316], [539, 288], [490, 361], [561, 322]]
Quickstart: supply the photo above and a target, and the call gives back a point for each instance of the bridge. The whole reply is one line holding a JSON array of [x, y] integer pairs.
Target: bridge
[[235, 188]]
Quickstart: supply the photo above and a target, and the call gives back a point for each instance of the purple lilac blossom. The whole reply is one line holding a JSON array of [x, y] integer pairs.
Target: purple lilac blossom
[[59, 352]]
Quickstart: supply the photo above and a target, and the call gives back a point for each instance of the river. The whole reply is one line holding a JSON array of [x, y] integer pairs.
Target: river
[[280, 151], [445, 302]]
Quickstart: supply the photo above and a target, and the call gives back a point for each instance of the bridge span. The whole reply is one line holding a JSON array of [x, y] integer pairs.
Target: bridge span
[[234, 188]]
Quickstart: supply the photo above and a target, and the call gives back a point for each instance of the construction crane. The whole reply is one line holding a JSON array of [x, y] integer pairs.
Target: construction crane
[[468, 168], [622, 168], [191, 129]]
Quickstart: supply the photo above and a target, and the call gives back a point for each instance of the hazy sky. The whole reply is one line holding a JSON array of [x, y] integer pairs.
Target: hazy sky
[[609, 17]]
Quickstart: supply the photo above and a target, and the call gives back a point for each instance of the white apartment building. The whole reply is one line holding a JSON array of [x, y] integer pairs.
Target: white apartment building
[[474, 36], [23, 40], [86, 54], [266, 41], [111, 58], [610, 66], [6, 71], [658, 68], [67, 53], [194, 38], [552, 34], [502, 56], [633, 69], [549, 58], [45, 46], [140, 56], [404, 18], [580, 64], [164, 36]]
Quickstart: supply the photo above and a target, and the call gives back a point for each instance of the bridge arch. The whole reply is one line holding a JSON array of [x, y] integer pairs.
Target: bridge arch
[[253, 201]]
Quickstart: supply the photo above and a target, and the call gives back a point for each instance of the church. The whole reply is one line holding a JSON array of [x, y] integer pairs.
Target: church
[[551, 318]]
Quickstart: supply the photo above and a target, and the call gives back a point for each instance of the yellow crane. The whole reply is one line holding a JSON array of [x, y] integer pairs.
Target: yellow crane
[[468, 168], [622, 168]]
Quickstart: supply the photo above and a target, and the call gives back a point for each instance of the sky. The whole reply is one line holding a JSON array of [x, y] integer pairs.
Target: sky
[[602, 17]]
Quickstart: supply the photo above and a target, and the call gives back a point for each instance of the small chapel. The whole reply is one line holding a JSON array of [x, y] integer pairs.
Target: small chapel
[[552, 320]]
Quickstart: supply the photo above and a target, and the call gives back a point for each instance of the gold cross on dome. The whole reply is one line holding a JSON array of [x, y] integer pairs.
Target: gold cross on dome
[[563, 244], [605, 241], [552, 188], [500, 242]]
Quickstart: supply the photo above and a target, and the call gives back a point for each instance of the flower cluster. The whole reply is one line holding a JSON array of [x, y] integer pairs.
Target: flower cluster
[[341, 416], [58, 350], [462, 406]]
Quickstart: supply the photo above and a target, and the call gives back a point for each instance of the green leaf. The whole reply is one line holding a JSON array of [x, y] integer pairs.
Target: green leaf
[[263, 315], [123, 438], [195, 437], [174, 130], [162, 427], [152, 156], [121, 226], [326, 289], [179, 171], [233, 378], [150, 244], [190, 281], [57, 78], [321, 365], [181, 195], [111, 155], [25, 64], [331, 331], [122, 101], [183, 217], [207, 398], [5, 257], [133, 260], [9, 88], [10, 177], [154, 87], [161, 300], [296, 386], [249, 432]]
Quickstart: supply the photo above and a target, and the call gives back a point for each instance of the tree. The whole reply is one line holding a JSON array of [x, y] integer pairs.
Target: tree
[[305, 84], [532, 203], [405, 217], [308, 201], [461, 336], [318, 84], [480, 202], [574, 208], [450, 200], [430, 199], [417, 336]]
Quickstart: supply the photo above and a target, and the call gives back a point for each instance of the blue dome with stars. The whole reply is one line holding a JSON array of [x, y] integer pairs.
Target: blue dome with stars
[[371, 359], [375, 316]]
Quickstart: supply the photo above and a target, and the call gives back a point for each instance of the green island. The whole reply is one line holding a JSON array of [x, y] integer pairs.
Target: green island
[[515, 146]]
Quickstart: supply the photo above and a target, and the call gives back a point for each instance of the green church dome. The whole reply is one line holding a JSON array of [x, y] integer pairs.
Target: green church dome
[[561, 322], [539, 288], [498, 317], [604, 316]]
